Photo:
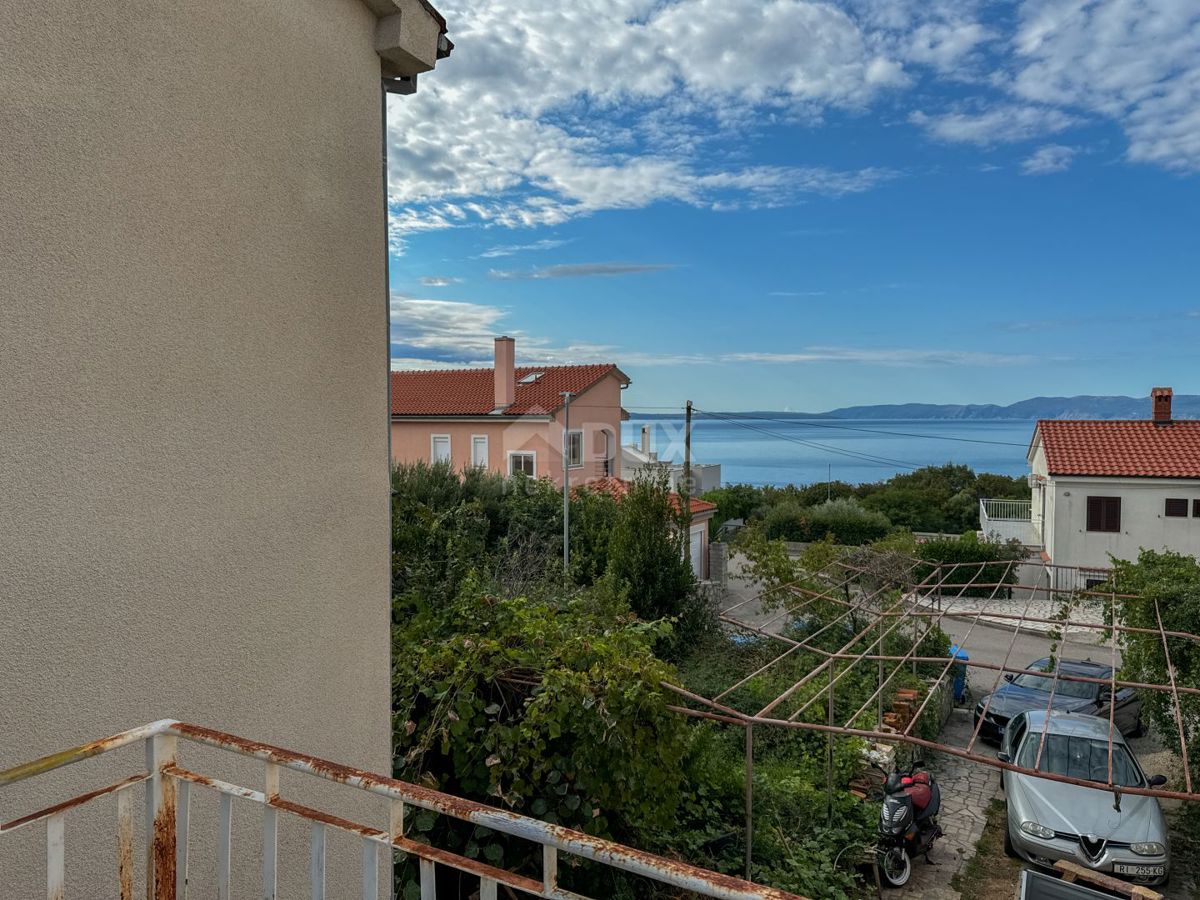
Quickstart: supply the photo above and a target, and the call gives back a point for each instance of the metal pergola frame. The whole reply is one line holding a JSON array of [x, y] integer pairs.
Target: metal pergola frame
[[923, 604]]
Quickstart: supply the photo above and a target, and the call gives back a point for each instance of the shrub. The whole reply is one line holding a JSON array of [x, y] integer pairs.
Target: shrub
[[552, 708], [734, 501], [966, 550], [845, 519]]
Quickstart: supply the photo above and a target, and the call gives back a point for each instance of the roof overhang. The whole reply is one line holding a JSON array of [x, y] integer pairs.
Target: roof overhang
[[410, 37], [1034, 440]]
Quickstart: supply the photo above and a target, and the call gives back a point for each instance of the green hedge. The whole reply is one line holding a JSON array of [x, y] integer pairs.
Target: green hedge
[[845, 519], [966, 550]]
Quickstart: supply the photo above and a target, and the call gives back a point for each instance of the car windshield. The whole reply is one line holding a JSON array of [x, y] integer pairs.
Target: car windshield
[[1081, 690], [1080, 757]]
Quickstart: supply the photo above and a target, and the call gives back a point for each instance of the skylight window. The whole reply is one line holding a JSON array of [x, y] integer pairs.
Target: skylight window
[[531, 377]]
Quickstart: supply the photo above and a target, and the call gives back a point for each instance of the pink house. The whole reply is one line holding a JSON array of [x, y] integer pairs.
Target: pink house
[[510, 419]]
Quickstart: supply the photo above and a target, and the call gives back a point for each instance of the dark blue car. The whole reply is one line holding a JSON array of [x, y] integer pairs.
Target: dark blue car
[[1027, 692]]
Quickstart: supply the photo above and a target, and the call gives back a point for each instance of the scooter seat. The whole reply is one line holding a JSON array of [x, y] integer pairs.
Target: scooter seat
[[932, 807]]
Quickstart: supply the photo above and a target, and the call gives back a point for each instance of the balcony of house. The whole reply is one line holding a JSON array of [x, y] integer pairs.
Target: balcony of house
[[179, 795], [1004, 520]]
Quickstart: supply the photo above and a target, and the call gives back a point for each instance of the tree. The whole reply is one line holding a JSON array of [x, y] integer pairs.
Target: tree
[[647, 559], [1167, 585]]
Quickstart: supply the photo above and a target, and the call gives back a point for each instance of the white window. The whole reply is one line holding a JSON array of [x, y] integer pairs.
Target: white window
[[479, 451], [439, 448], [574, 449], [522, 462]]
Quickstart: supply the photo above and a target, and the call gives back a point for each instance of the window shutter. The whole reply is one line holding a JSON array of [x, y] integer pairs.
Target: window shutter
[[1104, 514], [1177, 507]]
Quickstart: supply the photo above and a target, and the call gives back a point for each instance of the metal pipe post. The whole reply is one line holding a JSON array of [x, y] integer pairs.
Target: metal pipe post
[[566, 446], [749, 800]]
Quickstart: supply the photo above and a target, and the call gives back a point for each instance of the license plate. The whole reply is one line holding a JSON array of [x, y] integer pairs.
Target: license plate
[[1140, 871]]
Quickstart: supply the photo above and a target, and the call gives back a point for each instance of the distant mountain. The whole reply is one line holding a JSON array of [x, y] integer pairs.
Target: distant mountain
[[1184, 406]]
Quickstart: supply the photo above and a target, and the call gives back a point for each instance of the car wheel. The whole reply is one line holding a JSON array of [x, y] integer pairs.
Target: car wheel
[[1009, 850]]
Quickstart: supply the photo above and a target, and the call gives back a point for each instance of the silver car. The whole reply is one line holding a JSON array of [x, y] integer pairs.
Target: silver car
[[1053, 820]]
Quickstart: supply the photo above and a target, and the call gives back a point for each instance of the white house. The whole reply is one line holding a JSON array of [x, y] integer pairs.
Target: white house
[[638, 459], [1106, 489]]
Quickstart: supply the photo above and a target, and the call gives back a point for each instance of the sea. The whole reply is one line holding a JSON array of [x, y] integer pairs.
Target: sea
[[760, 449]]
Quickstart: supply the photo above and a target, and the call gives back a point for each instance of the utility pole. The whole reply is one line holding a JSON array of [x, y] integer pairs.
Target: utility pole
[[687, 468], [566, 441]]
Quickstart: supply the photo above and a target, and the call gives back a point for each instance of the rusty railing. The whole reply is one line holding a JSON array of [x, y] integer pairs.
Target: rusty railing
[[167, 800]]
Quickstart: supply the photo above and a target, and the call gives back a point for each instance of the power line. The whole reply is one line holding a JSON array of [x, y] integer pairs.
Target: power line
[[935, 437], [814, 424], [878, 460]]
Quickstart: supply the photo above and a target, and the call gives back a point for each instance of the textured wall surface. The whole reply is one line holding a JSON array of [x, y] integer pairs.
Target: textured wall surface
[[193, 419]]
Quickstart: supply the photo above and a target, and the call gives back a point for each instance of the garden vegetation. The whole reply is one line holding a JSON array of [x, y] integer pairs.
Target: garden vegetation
[[520, 684]]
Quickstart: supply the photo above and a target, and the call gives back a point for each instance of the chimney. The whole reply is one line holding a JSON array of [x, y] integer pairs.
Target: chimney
[[504, 375], [645, 438], [1160, 399]]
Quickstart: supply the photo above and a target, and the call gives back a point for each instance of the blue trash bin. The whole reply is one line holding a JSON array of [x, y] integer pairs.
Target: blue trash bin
[[960, 672]]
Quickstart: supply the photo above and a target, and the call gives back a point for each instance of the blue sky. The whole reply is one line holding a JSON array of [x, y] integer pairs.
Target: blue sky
[[781, 204]]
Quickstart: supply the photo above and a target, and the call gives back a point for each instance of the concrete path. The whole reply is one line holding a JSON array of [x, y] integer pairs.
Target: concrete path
[[967, 790]]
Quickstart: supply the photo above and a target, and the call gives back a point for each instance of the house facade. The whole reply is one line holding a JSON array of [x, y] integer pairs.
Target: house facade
[[511, 419], [1110, 488], [194, 430]]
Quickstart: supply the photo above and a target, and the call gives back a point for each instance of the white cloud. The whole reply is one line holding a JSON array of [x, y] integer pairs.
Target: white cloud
[[1048, 159], [448, 334], [550, 110], [512, 249], [1134, 61], [580, 270], [442, 331], [1005, 123], [884, 357], [945, 45], [438, 281], [440, 334]]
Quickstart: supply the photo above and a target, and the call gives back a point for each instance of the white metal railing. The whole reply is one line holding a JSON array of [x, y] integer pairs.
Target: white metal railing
[[1005, 520], [1006, 510], [167, 800]]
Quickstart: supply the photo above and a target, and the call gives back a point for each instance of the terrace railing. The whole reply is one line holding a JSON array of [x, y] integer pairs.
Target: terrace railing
[[1007, 519], [166, 825]]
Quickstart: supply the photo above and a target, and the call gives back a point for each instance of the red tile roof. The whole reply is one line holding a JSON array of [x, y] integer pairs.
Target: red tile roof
[[471, 392], [619, 487], [1122, 449]]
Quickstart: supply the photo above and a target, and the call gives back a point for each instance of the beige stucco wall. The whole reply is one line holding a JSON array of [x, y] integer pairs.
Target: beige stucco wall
[[193, 428], [594, 412]]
